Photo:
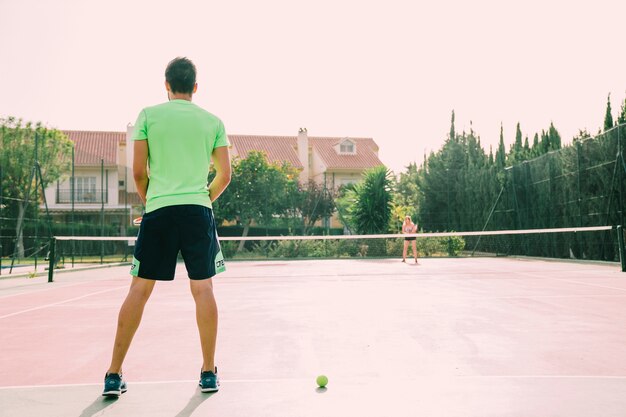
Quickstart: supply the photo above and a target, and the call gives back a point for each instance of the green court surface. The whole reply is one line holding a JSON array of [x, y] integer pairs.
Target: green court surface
[[448, 337]]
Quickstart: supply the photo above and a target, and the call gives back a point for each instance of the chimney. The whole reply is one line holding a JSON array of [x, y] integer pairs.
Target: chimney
[[303, 154]]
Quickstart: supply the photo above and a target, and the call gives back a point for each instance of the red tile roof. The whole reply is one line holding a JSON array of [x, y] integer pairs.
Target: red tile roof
[[366, 155], [278, 148], [284, 148], [91, 147]]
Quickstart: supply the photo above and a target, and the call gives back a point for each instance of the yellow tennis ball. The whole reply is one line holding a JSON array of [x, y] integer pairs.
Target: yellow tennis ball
[[322, 380]]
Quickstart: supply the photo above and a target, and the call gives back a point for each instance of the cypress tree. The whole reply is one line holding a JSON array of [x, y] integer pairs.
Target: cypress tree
[[535, 149], [608, 117], [518, 139], [545, 142], [622, 115], [501, 152], [554, 137], [526, 147], [452, 131]]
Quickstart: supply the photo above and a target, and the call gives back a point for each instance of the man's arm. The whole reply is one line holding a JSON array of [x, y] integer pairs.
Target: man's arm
[[221, 163], [140, 168]]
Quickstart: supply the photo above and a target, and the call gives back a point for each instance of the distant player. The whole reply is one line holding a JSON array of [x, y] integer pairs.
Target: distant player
[[177, 140], [408, 227]]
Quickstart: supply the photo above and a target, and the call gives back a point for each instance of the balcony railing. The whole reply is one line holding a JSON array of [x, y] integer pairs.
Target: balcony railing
[[82, 197]]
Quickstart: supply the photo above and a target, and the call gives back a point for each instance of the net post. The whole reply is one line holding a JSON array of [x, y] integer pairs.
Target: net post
[[52, 259], [620, 241]]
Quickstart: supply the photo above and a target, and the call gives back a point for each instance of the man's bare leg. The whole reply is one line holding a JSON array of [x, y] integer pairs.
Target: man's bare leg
[[129, 319], [206, 317]]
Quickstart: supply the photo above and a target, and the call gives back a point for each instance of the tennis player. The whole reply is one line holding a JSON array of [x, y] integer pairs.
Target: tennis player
[[177, 141], [409, 227]]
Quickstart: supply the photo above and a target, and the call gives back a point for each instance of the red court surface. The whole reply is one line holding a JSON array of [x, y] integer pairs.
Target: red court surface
[[448, 337]]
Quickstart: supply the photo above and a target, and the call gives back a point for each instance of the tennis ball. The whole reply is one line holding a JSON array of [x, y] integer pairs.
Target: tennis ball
[[322, 380]]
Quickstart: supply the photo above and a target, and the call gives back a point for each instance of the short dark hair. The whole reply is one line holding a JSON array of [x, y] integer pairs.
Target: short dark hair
[[181, 74]]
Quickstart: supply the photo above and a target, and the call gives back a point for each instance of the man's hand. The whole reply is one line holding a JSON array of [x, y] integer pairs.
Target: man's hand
[[221, 163], [140, 168]]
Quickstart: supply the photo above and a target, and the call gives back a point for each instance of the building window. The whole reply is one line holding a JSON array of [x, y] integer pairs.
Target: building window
[[121, 183], [346, 147], [345, 181], [85, 190]]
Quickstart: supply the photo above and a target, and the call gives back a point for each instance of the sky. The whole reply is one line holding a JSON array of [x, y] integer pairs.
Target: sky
[[391, 70]]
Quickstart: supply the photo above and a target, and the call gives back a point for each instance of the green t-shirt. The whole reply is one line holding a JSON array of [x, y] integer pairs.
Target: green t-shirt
[[181, 137]]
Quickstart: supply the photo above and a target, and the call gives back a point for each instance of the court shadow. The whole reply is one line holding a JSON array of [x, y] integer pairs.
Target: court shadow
[[321, 390], [98, 405], [194, 402]]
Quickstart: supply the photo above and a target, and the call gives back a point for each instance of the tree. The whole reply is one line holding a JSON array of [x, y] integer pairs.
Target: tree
[[372, 209], [535, 150], [434, 186], [501, 152], [518, 140], [17, 158], [406, 191], [406, 196], [345, 202], [545, 143], [555, 137], [452, 134], [581, 136], [258, 191], [314, 202], [526, 148], [517, 150], [608, 117], [559, 185], [621, 119]]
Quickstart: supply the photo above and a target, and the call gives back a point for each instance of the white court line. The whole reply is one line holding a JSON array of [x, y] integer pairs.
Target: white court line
[[541, 376], [49, 288], [278, 380], [61, 302], [180, 381], [575, 282], [531, 297]]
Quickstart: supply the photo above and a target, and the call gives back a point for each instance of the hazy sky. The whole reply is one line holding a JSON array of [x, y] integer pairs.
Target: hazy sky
[[392, 70]]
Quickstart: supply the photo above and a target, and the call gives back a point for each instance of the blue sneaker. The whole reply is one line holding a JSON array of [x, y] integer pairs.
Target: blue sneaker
[[209, 381], [114, 385]]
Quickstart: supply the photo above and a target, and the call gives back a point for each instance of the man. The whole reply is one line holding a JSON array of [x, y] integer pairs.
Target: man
[[177, 141]]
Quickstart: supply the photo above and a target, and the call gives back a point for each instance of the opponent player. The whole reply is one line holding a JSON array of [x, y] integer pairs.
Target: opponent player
[[177, 140], [409, 227]]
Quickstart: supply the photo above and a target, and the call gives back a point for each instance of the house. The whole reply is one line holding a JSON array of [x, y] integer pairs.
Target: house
[[328, 161], [104, 192], [332, 161], [104, 189]]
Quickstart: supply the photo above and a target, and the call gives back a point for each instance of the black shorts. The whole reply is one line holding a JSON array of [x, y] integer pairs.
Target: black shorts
[[409, 238], [188, 229]]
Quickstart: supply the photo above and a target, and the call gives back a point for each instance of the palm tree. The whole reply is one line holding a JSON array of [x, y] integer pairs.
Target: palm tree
[[372, 209]]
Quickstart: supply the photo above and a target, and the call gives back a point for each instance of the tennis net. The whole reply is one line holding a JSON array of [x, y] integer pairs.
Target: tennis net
[[590, 243]]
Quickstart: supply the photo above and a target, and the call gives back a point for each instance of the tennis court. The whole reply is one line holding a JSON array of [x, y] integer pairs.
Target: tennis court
[[448, 337]]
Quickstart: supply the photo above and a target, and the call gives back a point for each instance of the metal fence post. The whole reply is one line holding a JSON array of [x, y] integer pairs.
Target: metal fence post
[[52, 259]]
